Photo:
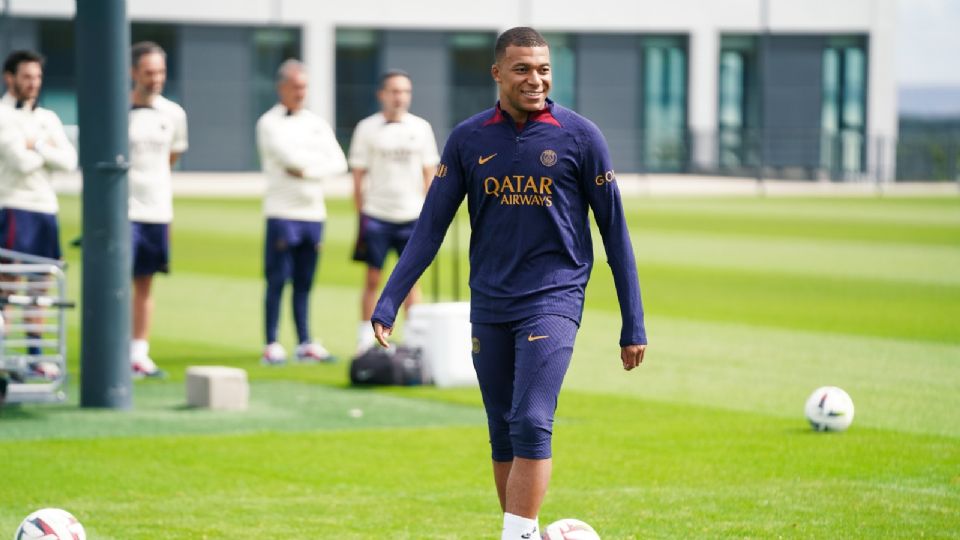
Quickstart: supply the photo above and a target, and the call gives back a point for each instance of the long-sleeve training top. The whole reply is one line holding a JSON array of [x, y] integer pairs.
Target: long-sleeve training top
[[528, 191], [25, 173], [304, 142]]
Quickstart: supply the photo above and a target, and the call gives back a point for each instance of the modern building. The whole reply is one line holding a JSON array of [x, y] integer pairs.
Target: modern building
[[788, 88]]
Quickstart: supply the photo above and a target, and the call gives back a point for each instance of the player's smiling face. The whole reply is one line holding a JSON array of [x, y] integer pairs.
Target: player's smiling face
[[524, 77]]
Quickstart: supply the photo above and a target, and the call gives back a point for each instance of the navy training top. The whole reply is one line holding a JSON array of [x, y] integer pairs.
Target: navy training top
[[528, 189]]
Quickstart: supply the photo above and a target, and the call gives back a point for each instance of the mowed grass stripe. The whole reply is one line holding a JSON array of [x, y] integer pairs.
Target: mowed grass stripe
[[899, 385], [878, 220], [838, 305], [841, 304], [825, 258], [276, 406], [634, 468]]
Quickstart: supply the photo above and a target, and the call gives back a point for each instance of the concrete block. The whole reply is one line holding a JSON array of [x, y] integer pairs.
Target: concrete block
[[217, 387]]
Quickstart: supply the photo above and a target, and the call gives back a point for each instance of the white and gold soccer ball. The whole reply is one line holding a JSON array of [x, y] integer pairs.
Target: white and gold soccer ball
[[829, 409], [50, 524], [570, 529]]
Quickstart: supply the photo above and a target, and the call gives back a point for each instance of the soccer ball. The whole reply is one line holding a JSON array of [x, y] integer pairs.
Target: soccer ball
[[829, 409], [50, 524], [570, 529]]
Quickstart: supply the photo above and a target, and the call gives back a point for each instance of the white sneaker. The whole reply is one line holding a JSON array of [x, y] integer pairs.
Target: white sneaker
[[145, 367], [314, 352], [47, 371], [274, 355]]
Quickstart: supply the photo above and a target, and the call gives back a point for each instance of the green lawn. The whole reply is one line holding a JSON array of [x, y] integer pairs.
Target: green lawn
[[752, 303]]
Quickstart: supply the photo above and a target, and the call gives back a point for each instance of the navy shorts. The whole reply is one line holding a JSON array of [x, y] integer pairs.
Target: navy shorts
[[35, 233], [377, 237], [151, 248], [520, 367], [291, 249]]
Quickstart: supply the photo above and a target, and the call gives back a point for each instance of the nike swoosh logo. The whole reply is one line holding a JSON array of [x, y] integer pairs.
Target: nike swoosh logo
[[532, 337], [483, 160]]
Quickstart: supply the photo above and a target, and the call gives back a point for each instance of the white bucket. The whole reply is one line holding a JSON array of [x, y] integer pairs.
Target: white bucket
[[442, 332]]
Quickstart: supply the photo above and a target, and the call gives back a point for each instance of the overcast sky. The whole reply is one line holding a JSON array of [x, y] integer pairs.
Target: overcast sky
[[928, 43]]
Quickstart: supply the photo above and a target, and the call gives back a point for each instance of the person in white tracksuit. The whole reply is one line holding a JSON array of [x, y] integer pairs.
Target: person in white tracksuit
[[297, 151], [33, 145]]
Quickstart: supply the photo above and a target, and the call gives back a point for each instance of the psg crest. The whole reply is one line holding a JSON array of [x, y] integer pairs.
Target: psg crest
[[548, 158]]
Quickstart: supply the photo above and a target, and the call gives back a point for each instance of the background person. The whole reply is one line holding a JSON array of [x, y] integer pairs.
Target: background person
[[158, 136], [393, 155], [297, 150], [33, 145]]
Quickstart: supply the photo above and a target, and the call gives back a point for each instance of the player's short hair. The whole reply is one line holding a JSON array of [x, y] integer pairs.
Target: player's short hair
[[288, 67], [143, 48], [391, 73], [14, 59], [520, 36]]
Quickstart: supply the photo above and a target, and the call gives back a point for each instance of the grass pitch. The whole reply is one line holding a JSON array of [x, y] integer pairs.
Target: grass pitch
[[752, 303]]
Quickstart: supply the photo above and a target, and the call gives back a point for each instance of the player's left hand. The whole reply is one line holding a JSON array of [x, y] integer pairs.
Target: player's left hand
[[382, 332], [632, 356]]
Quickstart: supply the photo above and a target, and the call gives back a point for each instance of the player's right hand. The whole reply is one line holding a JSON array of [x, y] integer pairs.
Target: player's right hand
[[632, 356], [382, 332]]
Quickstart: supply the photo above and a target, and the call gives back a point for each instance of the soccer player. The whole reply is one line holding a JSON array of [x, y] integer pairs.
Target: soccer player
[[32, 145], [158, 136], [393, 155], [297, 150], [530, 170]]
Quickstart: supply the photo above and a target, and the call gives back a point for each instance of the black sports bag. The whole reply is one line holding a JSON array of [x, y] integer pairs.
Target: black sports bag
[[398, 365]]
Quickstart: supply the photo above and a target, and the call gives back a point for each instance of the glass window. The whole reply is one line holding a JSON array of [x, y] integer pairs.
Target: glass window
[[357, 69], [473, 90], [564, 64], [843, 112], [56, 43], [738, 108], [59, 91], [271, 46], [664, 103]]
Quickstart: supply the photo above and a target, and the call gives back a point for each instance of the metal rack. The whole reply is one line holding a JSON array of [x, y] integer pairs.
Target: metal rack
[[33, 347]]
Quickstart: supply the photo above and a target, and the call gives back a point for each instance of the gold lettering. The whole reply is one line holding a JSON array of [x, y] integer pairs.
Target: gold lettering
[[490, 185], [524, 190], [531, 184], [606, 177], [545, 183]]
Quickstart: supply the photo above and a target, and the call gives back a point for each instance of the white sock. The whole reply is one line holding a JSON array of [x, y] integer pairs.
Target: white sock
[[365, 336], [519, 528], [139, 349]]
